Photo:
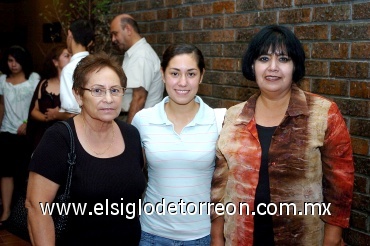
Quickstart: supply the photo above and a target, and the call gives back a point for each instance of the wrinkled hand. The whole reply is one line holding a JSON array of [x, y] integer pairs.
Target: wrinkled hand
[[22, 129]]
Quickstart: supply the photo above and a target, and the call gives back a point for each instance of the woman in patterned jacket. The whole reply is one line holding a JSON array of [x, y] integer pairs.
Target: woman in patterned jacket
[[285, 164]]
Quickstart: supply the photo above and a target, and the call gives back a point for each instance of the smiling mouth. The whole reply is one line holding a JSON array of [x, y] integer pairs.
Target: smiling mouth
[[182, 91]]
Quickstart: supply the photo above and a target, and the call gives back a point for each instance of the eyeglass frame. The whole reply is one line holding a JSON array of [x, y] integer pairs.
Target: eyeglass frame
[[105, 90]]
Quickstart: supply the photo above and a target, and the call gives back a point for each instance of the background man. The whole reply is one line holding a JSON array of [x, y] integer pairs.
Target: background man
[[141, 65], [80, 36]]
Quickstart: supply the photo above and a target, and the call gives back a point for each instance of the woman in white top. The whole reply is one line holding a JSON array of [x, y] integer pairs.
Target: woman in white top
[[178, 137], [17, 85]]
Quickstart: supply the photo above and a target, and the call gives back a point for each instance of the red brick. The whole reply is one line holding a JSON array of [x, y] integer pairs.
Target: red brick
[[151, 38], [225, 92], [164, 14], [312, 32], [349, 69], [270, 4], [331, 13], [128, 7], [350, 32], [356, 108], [263, 18], [360, 127], [237, 21], [223, 64], [361, 184], [205, 89], [248, 5], [223, 7], [174, 25], [156, 27], [246, 35], [330, 50], [294, 16], [362, 164], [181, 12], [317, 68], [330, 87], [149, 16], [223, 36], [183, 37], [355, 237], [360, 146], [156, 4], [173, 3], [360, 89], [164, 38], [309, 2], [361, 202], [359, 220], [213, 22], [201, 37], [201, 10], [307, 49], [361, 11], [192, 24], [141, 5], [360, 50]]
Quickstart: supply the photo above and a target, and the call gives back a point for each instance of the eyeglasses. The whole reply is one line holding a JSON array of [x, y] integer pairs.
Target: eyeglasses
[[99, 91]]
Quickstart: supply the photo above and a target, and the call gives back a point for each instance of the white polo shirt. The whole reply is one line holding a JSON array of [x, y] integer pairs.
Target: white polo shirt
[[180, 166], [67, 99]]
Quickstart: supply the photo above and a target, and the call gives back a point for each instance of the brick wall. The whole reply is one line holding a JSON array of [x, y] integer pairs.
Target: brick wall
[[336, 38]]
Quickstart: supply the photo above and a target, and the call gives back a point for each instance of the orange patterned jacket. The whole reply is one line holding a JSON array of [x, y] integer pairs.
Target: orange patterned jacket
[[310, 161]]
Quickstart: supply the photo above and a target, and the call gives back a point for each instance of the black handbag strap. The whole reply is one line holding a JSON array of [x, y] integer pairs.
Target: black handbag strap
[[71, 158]]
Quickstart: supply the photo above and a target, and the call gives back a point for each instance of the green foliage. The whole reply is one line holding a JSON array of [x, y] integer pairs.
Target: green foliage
[[93, 10]]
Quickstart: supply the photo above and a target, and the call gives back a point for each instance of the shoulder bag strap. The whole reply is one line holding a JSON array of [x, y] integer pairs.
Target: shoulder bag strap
[[71, 158]]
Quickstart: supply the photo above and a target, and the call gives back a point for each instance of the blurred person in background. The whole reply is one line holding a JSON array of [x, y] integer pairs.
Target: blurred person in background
[[17, 85], [45, 104]]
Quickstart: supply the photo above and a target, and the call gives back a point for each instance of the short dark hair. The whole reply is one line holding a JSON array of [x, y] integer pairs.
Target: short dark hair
[[92, 63], [49, 70], [82, 31], [22, 56], [274, 37], [129, 21], [179, 49]]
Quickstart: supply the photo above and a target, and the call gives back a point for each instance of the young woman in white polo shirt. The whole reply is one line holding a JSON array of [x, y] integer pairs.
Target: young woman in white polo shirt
[[178, 137]]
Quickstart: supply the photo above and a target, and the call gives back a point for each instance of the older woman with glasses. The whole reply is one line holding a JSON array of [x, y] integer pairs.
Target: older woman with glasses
[[108, 171]]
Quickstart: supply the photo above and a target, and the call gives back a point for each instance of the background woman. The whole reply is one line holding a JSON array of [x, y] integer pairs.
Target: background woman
[[108, 166], [178, 137], [45, 104], [17, 85], [283, 145]]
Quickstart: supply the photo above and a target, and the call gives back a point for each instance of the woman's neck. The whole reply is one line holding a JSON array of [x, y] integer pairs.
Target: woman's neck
[[16, 78], [270, 111], [181, 115]]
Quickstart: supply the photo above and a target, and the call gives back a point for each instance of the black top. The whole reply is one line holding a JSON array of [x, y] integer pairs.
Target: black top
[[36, 129], [113, 182], [263, 229]]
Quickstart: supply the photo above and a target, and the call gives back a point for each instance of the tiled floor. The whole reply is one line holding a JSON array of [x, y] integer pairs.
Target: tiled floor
[[8, 239]]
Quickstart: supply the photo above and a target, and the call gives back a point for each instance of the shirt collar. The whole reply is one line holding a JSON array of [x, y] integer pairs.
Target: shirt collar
[[203, 116], [297, 105], [79, 55], [135, 47]]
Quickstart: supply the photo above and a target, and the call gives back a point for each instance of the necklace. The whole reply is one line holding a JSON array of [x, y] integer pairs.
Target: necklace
[[88, 143]]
